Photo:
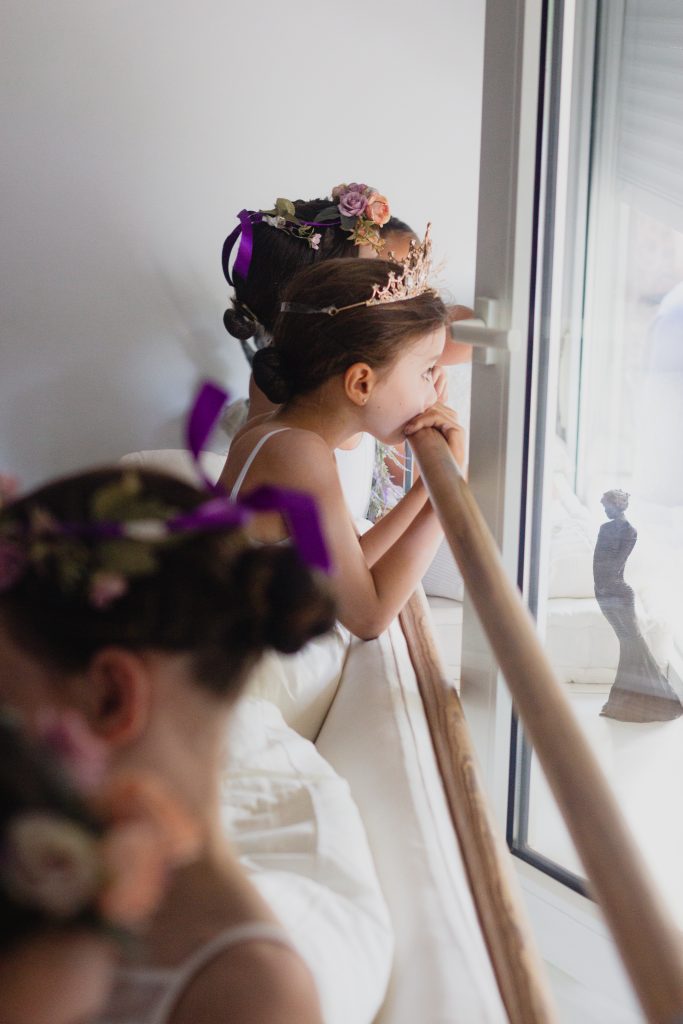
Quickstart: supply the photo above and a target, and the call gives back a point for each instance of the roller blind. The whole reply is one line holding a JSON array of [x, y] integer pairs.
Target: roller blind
[[650, 156]]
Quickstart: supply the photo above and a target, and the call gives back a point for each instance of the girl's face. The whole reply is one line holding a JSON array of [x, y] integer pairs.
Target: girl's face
[[404, 389]]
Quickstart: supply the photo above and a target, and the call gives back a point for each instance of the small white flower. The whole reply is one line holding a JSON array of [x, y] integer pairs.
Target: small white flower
[[314, 241], [145, 529], [50, 863]]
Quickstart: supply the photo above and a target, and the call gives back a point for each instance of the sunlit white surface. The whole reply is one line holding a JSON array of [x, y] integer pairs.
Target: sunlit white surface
[[644, 765]]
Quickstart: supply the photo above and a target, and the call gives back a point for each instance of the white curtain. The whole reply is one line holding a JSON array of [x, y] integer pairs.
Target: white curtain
[[650, 152]]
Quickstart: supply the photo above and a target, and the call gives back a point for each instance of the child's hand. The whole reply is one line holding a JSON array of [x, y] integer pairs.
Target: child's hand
[[440, 417]]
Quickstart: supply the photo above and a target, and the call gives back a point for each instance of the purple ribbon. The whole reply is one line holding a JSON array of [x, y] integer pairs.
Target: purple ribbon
[[245, 232], [201, 421], [298, 509], [322, 223], [301, 515]]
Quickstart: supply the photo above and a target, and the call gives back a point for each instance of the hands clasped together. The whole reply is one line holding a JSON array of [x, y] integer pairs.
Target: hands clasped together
[[444, 419]]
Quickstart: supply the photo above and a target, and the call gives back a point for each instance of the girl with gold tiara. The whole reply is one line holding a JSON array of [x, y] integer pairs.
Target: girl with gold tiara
[[355, 349], [269, 248]]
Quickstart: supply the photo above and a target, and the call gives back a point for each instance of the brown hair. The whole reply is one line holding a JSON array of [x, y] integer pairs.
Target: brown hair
[[212, 594], [311, 347]]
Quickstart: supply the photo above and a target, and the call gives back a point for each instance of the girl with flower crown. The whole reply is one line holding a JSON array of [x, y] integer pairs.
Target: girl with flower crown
[[355, 222], [351, 353], [135, 601]]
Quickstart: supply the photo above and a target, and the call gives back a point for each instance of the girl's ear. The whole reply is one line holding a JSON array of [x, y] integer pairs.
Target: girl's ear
[[359, 381], [115, 694]]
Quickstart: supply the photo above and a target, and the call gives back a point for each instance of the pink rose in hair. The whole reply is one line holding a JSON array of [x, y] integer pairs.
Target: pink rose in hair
[[352, 204], [136, 871], [66, 734], [377, 209], [355, 187]]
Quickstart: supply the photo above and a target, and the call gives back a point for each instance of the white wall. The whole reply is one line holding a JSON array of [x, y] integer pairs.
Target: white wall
[[132, 132]]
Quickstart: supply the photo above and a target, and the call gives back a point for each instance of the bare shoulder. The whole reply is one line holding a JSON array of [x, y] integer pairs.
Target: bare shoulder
[[251, 424], [254, 983], [294, 457]]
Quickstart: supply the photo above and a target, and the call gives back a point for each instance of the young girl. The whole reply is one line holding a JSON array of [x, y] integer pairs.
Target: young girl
[[355, 350], [279, 246], [130, 598], [69, 891], [271, 248]]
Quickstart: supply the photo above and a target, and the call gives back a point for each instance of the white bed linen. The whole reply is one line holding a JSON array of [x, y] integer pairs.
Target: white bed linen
[[301, 839]]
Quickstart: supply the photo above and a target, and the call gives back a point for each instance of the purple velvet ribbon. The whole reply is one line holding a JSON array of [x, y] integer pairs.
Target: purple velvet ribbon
[[245, 232], [322, 223], [201, 421], [298, 509]]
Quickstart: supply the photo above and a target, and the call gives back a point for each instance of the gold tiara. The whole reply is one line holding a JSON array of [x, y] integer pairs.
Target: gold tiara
[[411, 281]]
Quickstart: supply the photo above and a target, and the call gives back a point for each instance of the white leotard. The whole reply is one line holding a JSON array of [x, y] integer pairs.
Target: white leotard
[[148, 995]]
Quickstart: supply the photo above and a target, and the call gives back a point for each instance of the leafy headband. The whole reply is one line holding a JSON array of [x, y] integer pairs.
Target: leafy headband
[[356, 208]]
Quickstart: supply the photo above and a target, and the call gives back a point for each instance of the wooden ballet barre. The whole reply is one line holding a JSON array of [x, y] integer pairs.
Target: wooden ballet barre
[[495, 893], [647, 938]]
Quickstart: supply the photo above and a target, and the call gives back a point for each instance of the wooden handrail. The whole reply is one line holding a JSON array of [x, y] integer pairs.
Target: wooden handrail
[[495, 892], [647, 938]]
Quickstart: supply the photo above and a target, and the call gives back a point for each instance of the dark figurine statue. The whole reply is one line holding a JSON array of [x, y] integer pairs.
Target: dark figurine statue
[[640, 693]]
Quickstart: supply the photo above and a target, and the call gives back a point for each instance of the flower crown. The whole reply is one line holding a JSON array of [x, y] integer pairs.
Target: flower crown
[[356, 208], [95, 855], [127, 529], [411, 281]]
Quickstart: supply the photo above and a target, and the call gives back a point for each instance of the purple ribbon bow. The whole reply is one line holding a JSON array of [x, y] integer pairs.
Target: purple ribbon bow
[[245, 232], [298, 509]]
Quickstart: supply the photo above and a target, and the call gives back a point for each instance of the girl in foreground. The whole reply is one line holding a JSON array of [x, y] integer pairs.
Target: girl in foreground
[[71, 896], [355, 349], [128, 597]]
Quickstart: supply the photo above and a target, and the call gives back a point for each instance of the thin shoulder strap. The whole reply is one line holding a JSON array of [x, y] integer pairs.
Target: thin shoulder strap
[[250, 931], [252, 455]]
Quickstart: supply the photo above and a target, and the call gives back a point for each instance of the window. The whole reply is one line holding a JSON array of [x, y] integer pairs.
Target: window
[[605, 489]]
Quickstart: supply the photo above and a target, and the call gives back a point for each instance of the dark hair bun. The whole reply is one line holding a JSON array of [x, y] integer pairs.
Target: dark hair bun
[[270, 376], [238, 323], [284, 604]]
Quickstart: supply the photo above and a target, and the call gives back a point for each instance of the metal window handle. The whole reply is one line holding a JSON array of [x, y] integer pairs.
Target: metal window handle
[[483, 335]]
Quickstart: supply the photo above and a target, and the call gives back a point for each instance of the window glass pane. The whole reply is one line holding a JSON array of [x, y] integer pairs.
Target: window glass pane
[[610, 567]]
